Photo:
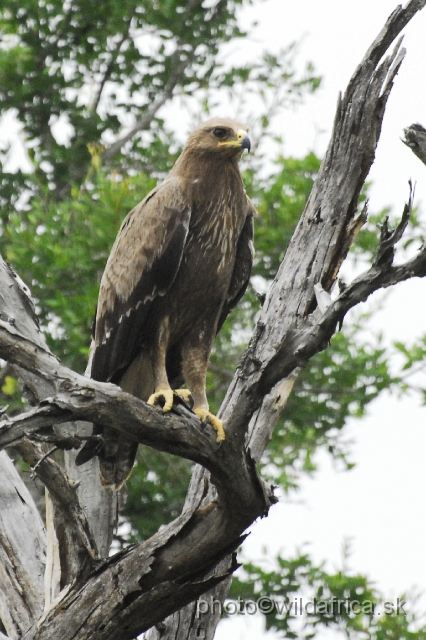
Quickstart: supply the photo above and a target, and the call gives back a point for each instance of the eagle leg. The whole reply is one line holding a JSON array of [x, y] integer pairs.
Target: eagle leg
[[162, 386], [195, 357], [168, 396], [166, 393], [185, 395], [206, 417]]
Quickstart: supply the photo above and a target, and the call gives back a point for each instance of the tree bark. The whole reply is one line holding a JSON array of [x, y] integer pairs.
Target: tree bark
[[22, 535], [138, 588], [22, 553], [415, 139]]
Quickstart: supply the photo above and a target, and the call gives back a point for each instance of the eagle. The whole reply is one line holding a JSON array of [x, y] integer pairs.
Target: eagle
[[180, 263]]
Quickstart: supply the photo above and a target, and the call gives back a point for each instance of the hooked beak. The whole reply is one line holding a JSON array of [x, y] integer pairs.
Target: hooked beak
[[245, 143], [242, 141]]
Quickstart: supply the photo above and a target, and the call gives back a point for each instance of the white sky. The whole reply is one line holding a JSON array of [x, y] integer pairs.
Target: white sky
[[379, 505]]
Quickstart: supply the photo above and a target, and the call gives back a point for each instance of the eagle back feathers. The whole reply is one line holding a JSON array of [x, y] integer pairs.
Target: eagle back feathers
[[142, 266]]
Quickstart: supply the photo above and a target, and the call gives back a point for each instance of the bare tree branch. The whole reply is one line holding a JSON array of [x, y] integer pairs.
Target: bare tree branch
[[85, 399], [180, 434], [77, 547], [113, 57], [22, 553], [22, 536], [325, 231], [17, 310], [144, 122], [415, 138]]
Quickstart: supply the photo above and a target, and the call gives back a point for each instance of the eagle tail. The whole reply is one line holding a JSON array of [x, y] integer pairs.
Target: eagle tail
[[117, 458], [90, 449], [116, 452]]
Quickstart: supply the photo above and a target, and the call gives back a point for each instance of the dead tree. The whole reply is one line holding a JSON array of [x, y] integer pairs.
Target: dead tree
[[78, 592]]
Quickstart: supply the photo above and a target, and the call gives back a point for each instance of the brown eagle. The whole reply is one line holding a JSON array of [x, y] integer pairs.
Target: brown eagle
[[180, 263]]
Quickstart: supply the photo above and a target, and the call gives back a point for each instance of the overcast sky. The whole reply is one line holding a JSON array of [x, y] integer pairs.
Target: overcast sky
[[379, 505]]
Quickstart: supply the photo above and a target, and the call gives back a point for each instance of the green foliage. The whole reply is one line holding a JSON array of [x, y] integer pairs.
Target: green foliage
[[10, 392], [337, 384], [280, 200], [412, 355], [300, 598], [157, 489], [60, 250], [125, 52], [10, 385]]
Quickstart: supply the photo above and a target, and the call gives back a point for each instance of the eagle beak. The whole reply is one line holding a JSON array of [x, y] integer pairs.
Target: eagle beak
[[243, 140]]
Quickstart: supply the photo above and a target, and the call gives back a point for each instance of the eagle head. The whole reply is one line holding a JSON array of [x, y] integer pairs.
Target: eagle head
[[220, 136]]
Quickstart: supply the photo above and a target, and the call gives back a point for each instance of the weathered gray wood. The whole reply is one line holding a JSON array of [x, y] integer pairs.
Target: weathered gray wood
[[17, 309], [133, 592], [415, 139], [22, 553], [52, 573], [22, 535], [77, 547], [100, 504], [322, 237]]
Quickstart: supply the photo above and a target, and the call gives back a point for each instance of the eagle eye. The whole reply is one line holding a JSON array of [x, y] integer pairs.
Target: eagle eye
[[220, 133]]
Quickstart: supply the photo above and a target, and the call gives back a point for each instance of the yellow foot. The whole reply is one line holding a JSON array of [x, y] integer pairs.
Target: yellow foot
[[186, 395], [206, 416], [166, 394]]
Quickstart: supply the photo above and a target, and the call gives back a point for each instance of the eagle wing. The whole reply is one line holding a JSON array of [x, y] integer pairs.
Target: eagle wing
[[142, 265], [242, 267]]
